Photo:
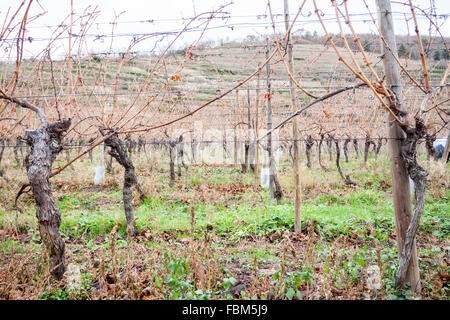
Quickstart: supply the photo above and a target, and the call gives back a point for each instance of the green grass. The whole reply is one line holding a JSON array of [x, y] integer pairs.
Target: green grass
[[363, 214], [86, 215], [333, 213], [9, 245]]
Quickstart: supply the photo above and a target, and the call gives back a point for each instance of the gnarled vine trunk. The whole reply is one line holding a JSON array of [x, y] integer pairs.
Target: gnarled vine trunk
[[419, 176], [172, 164], [399, 171], [246, 152], [46, 143], [356, 146], [277, 190], [16, 149], [345, 149], [118, 152], [346, 178], [379, 145], [329, 147], [320, 153], [180, 156], [108, 163], [91, 156], [2, 149], [368, 142], [309, 143]]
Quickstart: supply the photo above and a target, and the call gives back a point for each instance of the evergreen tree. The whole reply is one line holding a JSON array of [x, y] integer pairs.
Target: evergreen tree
[[437, 55], [402, 52], [367, 46]]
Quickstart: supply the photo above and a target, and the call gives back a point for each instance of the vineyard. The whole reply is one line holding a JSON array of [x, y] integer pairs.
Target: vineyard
[[278, 166]]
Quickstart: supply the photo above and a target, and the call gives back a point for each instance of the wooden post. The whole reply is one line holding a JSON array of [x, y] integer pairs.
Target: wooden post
[[269, 120], [69, 64], [296, 151], [400, 179], [255, 182], [236, 121], [247, 140], [274, 185], [447, 149]]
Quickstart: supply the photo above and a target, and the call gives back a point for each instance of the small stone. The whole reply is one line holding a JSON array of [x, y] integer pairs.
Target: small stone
[[73, 277], [373, 277]]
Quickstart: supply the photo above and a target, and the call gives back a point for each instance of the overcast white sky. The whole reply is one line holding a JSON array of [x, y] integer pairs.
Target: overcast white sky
[[245, 17]]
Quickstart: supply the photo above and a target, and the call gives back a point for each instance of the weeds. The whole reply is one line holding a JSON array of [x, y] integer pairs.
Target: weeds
[[212, 237]]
